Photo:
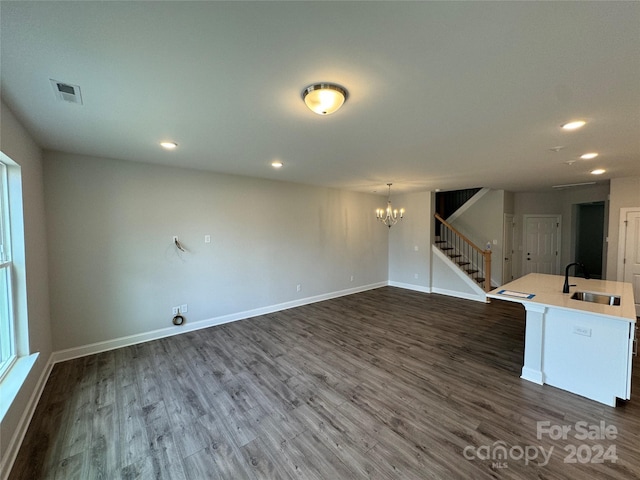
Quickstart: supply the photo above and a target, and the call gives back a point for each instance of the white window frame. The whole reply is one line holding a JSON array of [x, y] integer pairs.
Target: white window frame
[[8, 347], [23, 359]]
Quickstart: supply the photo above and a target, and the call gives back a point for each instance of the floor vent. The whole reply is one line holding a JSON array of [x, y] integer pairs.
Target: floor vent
[[66, 92]]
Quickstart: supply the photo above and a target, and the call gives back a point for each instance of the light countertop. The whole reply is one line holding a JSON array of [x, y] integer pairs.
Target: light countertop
[[548, 292]]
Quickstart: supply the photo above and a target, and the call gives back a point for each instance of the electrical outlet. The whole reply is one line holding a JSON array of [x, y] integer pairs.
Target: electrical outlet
[[582, 331], [207, 239], [352, 278], [175, 310], [298, 288], [184, 308]]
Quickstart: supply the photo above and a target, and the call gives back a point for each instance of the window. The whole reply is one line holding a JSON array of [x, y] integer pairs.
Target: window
[[7, 323], [16, 358]]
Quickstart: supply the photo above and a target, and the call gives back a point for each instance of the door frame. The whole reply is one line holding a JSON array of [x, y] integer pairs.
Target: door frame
[[511, 225], [622, 240], [558, 218]]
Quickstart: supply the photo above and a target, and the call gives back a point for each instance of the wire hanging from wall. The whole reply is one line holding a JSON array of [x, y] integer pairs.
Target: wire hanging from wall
[[178, 244]]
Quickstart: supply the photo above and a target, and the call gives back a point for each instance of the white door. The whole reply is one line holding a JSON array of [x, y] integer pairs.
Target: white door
[[631, 261], [541, 244], [507, 246]]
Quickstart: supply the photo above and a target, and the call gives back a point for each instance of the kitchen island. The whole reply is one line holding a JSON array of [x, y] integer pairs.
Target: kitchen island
[[579, 346]]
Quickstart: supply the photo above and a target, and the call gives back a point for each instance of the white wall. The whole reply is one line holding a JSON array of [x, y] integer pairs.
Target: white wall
[[410, 241], [625, 193], [483, 222], [448, 280], [16, 143], [554, 203], [114, 271]]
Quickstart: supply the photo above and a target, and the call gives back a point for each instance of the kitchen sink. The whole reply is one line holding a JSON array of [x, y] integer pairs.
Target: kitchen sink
[[603, 298]]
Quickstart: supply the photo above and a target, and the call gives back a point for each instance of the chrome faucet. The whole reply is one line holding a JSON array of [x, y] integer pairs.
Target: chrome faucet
[[565, 288]]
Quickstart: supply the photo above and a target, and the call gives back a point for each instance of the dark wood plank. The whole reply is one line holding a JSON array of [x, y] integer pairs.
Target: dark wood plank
[[385, 384]]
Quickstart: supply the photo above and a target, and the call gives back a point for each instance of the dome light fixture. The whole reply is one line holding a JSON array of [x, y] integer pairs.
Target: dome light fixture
[[598, 171], [276, 164], [589, 156], [324, 98]]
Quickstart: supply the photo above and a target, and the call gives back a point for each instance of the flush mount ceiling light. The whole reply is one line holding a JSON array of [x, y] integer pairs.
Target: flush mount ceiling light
[[573, 125], [324, 98], [598, 171], [589, 156], [389, 216], [276, 164], [168, 145]]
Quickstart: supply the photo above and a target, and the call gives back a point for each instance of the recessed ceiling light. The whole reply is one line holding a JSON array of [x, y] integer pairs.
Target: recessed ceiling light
[[168, 145], [598, 171], [276, 164], [573, 125], [589, 156]]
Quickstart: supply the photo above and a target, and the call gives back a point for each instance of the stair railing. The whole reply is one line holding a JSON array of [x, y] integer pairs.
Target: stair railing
[[464, 249]]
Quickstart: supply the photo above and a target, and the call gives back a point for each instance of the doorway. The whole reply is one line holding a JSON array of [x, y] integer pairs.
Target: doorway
[[629, 251], [590, 237]]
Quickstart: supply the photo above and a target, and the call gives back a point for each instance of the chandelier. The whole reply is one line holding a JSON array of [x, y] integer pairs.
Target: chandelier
[[389, 216]]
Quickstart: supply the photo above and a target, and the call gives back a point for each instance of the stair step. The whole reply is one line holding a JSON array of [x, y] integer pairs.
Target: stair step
[[446, 248], [440, 241], [454, 255], [480, 280], [463, 263], [471, 271]]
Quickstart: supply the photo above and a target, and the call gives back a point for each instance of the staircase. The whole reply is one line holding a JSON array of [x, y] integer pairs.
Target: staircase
[[469, 258], [447, 203]]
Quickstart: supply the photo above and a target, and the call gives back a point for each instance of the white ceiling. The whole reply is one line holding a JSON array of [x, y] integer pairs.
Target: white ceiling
[[441, 94]]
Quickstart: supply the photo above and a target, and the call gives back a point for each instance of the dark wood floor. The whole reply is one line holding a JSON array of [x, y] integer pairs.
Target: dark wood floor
[[385, 384]]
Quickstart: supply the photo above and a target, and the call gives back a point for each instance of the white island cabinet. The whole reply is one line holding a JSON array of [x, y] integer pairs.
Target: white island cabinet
[[582, 347]]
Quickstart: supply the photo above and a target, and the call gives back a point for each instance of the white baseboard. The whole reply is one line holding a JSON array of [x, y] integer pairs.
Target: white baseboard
[[466, 296], [6, 463], [534, 376], [76, 352], [410, 286]]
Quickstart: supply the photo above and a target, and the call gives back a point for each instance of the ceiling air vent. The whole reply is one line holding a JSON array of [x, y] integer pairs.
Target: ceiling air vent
[[66, 92]]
